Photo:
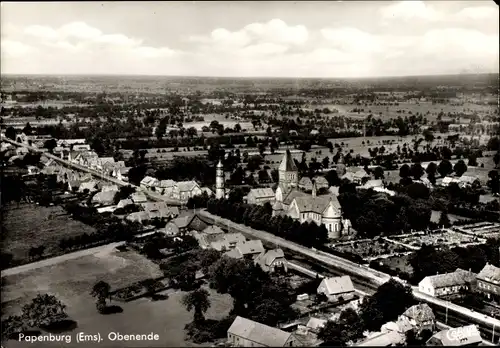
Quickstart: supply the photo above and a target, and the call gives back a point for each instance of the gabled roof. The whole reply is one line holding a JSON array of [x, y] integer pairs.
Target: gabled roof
[[361, 174], [265, 260], [292, 194], [490, 273], [166, 183], [287, 163], [459, 277], [305, 182], [213, 229], [373, 183], [261, 192], [138, 197], [138, 216], [338, 285], [153, 206], [321, 182], [250, 247], [460, 336], [106, 197], [124, 202], [261, 334], [316, 204], [149, 181], [183, 186], [316, 323], [420, 313]]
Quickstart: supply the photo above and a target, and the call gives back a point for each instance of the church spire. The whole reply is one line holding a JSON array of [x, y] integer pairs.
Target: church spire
[[314, 189]]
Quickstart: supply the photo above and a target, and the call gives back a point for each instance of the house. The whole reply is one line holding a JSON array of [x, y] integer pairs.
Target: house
[[272, 259], [74, 185], [305, 184], [228, 242], [140, 216], [213, 230], [260, 196], [138, 197], [449, 180], [488, 281], [81, 147], [207, 190], [183, 190], [315, 324], [166, 187], [248, 333], [468, 181], [371, 184], [159, 210], [247, 249], [447, 284], [360, 176], [185, 223], [420, 317], [337, 288], [459, 336], [321, 182], [110, 188], [383, 339], [124, 202], [104, 198], [91, 186], [148, 183], [121, 173]]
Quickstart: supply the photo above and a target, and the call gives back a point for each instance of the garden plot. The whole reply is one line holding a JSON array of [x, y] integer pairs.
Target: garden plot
[[440, 237], [370, 249], [481, 229]]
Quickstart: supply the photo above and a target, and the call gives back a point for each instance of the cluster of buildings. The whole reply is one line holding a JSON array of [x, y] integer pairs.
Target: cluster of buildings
[[291, 199], [179, 190], [486, 282]]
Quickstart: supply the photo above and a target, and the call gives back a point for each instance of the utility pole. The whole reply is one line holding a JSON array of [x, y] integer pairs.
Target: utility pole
[[446, 320]]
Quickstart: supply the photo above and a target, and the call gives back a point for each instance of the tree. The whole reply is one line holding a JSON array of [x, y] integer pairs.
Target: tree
[[43, 311], [50, 145], [444, 168], [378, 172], [199, 301], [417, 171], [460, 168], [11, 133], [404, 171], [494, 181], [431, 172], [391, 300], [100, 290], [12, 325], [444, 220]]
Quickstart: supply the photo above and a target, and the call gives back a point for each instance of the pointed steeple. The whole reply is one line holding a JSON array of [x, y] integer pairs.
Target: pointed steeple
[[314, 189], [288, 164], [219, 165]]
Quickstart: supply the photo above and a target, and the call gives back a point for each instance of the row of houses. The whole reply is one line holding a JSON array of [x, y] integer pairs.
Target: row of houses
[[487, 282], [179, 190]]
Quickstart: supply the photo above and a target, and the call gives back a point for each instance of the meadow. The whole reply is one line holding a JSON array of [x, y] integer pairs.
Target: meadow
[[72, 280], [31, 225]]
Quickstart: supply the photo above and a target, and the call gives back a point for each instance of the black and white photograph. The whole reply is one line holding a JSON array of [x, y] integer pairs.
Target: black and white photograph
[[249, 174]]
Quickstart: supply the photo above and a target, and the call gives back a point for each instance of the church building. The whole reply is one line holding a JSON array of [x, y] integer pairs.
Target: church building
[[301, 206]]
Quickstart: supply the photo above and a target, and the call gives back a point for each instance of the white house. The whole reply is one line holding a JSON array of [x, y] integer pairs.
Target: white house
[[448, 283], [337, 288]]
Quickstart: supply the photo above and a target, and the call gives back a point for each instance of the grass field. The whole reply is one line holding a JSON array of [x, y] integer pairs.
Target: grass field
[[391, 111], [71, 282], [31, 225]]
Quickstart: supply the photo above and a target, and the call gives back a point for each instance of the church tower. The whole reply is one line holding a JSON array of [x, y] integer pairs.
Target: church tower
[[219, 181], [288, 173]]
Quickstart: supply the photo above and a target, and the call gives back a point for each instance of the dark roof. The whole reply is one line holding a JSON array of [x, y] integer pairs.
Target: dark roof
[[288, 164]]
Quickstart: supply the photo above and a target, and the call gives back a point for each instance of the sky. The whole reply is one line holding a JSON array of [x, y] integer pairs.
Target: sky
[[336, 39]]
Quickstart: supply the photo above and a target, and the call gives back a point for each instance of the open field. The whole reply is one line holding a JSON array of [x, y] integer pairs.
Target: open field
[[372, 248], [481, 229], [441, 237], [32, 225], [226, 122], [387, 112], [165, 317]]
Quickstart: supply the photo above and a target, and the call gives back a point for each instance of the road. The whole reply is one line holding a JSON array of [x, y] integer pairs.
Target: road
[[359, 274], [150, 194]]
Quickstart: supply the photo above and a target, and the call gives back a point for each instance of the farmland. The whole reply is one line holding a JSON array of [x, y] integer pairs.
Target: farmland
[[31, 225], [166, 317]]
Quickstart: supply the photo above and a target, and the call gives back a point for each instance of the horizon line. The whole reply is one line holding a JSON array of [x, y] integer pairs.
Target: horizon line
[[247, 77]]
